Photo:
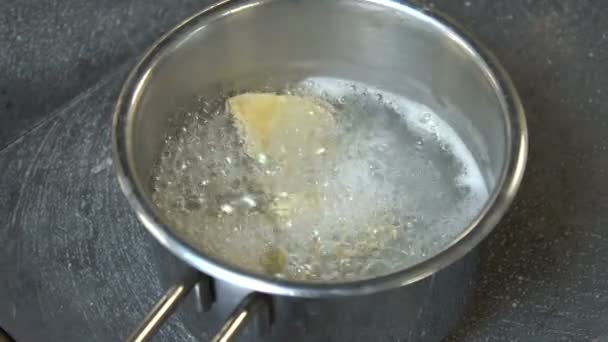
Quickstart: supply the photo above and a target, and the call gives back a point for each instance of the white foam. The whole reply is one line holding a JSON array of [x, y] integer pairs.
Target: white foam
[[417, 116], [383, 203]]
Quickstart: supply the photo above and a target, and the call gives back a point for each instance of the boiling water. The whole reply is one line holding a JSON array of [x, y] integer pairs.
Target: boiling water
[[399, 187]]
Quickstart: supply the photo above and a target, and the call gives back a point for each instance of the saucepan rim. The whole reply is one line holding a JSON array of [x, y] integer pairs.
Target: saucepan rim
[[488, 217]]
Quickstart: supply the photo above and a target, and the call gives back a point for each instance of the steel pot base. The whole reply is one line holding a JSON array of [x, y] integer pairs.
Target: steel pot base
[[392, 46]]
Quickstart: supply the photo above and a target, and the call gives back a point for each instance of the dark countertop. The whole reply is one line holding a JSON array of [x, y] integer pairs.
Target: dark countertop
[[75, 265]]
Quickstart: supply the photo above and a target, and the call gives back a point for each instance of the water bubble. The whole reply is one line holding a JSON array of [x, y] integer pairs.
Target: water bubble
[[339, 217], [249, 201], [262, 158], [192, 204], [227, 208], [426, 118]]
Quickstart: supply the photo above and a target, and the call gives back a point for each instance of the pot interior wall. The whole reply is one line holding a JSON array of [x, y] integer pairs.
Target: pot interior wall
[[250, 45]]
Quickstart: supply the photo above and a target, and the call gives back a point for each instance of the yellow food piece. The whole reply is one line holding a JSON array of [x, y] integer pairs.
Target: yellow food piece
[[274, 260], [293, 139], [284, 206], [283, 127]]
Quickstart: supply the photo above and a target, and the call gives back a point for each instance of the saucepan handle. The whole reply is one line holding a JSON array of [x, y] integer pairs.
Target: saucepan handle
[[255, 306]]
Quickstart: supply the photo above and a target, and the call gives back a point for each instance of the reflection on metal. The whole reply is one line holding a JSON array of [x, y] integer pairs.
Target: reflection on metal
[[4, 337], [423, 55], [452, 71], [255, 305], [204, 295], [162, 310]]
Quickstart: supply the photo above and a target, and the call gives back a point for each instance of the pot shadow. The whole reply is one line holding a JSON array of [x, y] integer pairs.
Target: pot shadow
[[539, 273], [526, 265]]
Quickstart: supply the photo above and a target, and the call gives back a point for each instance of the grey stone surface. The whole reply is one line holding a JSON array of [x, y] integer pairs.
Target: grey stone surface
[[73, 259], [544, 276], [54, 49], [75, 265]]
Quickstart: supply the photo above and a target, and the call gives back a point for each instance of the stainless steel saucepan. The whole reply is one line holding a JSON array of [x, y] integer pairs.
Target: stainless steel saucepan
[[395, 46]]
